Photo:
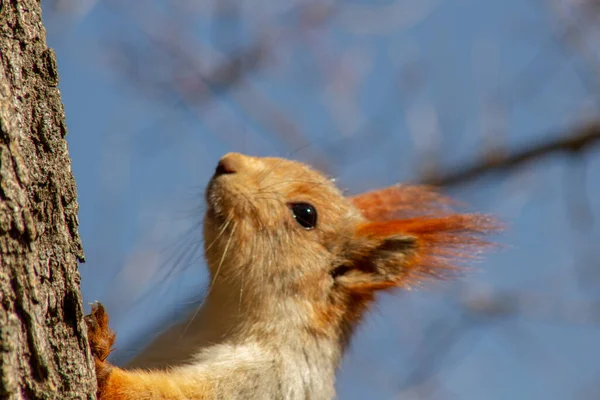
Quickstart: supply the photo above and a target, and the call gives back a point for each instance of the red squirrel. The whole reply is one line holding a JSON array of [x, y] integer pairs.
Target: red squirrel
[[294, 266]]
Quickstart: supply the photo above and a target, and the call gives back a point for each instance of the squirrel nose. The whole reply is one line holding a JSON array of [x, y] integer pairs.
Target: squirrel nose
[[229, 164]]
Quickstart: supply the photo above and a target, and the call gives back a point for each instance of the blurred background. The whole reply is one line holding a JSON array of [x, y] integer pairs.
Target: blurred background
[[496, 102]]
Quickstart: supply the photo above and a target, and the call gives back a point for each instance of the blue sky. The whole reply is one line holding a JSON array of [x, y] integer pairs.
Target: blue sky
[[141, 163]]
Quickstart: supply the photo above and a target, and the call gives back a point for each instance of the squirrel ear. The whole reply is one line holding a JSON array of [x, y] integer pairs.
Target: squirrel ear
[[401, 253], [374, 263]]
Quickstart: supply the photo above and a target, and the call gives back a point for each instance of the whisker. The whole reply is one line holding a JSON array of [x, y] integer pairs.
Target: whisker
[[290, 154], [184, 255], [213, 280], [225, 225], [260, 221], [267, 172], [222, 257], [279, 199], [241, 293]]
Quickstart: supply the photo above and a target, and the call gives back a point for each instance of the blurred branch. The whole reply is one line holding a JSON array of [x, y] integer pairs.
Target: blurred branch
[[576, 142], [180, 75], [493, 303]]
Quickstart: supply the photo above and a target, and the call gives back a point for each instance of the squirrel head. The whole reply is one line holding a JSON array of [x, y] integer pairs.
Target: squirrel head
[[284, 236]]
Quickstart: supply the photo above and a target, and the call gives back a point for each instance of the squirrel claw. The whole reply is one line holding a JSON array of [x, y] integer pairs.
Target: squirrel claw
[[100, 336], [101, 339]]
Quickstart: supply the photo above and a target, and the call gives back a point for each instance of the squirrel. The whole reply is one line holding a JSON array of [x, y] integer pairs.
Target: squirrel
[[294, 266]]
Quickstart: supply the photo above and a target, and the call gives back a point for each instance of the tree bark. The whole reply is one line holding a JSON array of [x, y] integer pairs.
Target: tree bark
[[43, 348]]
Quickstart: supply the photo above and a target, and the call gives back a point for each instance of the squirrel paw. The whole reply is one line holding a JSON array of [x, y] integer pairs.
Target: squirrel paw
[[101, 339]]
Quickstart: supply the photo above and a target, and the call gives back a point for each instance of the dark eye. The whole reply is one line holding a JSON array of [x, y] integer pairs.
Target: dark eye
[[305, 214]]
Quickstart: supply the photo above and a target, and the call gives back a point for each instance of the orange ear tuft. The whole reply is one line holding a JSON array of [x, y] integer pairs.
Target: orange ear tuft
[[440, 243], [401, 201], [442, 238]]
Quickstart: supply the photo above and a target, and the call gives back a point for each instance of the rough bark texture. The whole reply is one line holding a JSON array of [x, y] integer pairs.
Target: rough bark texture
[[43, 348]]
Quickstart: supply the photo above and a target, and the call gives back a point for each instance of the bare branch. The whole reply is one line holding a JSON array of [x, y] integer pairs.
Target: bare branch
[[578, 141]]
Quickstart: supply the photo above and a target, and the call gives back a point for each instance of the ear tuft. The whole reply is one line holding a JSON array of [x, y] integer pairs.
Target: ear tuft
[[413, 234], [401, 201], [441, 244]]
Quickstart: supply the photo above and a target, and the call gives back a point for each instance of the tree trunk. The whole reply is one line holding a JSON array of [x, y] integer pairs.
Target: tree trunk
[[43, 348]]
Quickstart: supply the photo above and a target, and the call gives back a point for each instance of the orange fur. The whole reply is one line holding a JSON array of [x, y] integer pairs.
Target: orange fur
[[101, 339], [401, 201], [443, 238], [141, 385], [117, 384], [441, 242]]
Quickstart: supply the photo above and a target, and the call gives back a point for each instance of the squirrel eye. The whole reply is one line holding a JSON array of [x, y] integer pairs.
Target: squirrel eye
[[305, 214]]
